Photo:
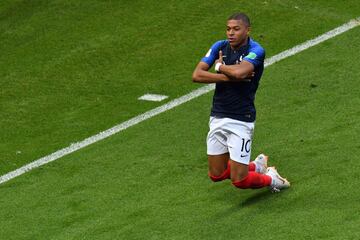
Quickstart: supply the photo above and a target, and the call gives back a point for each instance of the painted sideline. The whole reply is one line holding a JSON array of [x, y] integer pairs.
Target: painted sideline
[[172, 104]]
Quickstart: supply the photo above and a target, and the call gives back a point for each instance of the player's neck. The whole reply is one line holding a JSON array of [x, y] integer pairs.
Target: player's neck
[[244, 43]]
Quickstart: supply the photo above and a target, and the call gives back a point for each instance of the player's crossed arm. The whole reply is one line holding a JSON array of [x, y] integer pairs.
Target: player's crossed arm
[[238, 72], [201, 74]]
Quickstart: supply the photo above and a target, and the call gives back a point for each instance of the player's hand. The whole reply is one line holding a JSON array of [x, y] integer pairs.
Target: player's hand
[[220, 60], [249, 77]]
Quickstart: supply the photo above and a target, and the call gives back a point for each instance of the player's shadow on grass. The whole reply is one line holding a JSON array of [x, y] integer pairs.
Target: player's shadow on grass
[[245, 197], [256, 198], [246, 200], [250, 197]]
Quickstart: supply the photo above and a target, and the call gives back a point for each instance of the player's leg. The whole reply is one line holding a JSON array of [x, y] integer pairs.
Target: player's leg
[[219, 168], [218, 163], [241, 177], [218, 154], [239, 143]]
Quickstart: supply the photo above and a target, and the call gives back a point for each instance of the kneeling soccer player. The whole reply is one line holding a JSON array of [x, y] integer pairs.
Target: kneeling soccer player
[[239, 63]]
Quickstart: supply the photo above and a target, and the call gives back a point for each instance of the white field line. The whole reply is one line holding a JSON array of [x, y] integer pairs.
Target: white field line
[[153, 97], [176, 102], [308, 44]]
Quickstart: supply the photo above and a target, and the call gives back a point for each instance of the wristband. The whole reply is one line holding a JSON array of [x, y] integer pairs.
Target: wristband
[[217, 66]]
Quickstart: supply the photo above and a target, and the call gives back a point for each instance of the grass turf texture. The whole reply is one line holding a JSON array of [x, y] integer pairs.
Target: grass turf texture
[[65, 63], [150, 181]]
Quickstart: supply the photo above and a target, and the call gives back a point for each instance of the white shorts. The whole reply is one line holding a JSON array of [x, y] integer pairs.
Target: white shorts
[[230, 136]]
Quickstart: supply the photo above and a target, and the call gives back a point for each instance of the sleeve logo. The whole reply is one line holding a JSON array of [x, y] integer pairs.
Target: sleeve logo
[[208, 53], [251, 55]]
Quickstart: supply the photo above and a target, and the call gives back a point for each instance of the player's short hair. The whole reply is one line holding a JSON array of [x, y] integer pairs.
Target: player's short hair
[[240, 16]]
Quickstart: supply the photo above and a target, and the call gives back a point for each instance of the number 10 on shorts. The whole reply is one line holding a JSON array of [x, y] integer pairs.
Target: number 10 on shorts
[[246, 145]]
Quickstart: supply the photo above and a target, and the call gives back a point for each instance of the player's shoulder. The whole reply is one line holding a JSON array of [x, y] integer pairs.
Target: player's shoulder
[[213, 52], [254, 46]]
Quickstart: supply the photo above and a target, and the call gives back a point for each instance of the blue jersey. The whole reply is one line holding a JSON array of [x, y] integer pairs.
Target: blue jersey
[[236, 99]]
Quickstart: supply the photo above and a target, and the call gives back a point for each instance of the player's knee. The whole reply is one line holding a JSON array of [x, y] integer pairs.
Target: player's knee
[[216, 177]]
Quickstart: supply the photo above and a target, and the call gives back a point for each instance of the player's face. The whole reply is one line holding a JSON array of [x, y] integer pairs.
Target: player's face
[[237, 33]]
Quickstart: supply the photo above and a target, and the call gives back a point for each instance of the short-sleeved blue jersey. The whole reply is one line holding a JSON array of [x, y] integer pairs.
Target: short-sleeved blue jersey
[[236, 99]]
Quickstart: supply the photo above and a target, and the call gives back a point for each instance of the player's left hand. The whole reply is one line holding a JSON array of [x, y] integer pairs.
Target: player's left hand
[[249, 77]]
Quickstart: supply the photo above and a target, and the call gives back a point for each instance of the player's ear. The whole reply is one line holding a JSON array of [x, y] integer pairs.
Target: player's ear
[[248, 31]]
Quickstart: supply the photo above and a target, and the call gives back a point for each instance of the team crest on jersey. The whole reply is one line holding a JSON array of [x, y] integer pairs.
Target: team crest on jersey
[[240, 60]]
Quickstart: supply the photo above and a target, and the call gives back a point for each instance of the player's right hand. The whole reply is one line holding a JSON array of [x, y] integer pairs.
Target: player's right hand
[[220, 60]]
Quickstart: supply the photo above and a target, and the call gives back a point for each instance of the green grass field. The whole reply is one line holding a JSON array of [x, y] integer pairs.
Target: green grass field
[[70, 69]]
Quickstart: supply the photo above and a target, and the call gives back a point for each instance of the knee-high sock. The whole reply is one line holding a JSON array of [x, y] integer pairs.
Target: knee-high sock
[[254, 180], [252, 167], [226, 173]]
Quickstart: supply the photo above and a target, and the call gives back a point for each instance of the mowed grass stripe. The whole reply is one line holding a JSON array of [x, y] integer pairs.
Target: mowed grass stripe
[[198, 92], [151, 181]]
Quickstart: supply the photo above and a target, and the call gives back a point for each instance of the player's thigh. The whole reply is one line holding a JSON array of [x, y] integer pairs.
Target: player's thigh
[[217, 151], [216, 140], [239, 142], [218, 163]]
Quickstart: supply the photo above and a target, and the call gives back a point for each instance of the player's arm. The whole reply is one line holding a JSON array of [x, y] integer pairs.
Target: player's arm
[[237, 72], [201, 74]]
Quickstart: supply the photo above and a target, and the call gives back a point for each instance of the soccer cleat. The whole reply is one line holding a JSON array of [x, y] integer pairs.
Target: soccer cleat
[[277, 182], [261, 163]]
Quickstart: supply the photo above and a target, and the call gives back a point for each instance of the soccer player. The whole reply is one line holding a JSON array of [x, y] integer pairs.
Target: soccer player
[[239, 64]]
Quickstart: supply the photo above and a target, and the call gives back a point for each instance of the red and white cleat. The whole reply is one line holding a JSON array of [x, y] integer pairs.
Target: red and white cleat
[[277, 182]]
